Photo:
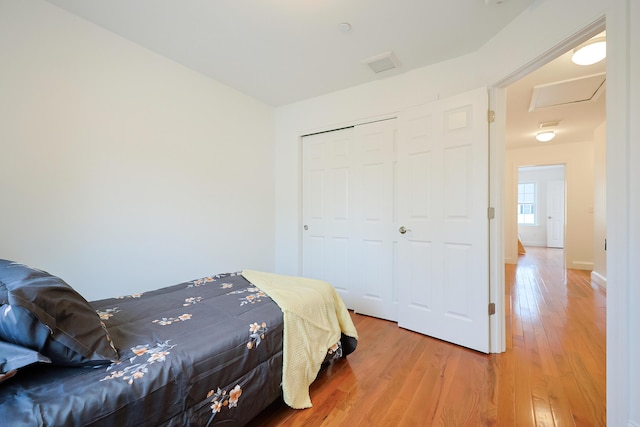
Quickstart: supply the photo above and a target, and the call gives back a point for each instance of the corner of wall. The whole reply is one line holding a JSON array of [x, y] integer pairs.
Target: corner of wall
[[510, 260]]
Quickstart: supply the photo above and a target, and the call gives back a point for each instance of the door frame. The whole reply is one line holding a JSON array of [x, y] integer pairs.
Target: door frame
[[497, 146], [552, 164]]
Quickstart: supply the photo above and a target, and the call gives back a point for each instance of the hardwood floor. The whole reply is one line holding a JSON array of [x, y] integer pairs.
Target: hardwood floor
[[553, 373]]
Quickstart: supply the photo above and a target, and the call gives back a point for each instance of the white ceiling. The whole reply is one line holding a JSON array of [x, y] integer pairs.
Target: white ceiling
[[577, 120], [283, 51]]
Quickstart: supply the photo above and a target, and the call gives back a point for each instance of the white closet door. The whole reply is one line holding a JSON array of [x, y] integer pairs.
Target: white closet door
[[327, 239], [374, 222], [443, 277], [348, 215]]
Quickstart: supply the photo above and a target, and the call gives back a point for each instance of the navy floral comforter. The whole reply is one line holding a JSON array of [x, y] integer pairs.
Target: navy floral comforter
[[199, 353]]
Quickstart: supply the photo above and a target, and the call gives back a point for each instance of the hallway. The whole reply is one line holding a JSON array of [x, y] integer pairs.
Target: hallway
[[556, 334]]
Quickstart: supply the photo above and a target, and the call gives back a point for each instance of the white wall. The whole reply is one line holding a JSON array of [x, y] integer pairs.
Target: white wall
[[599, 273], [536, 235], [121, 170], [578, 161]]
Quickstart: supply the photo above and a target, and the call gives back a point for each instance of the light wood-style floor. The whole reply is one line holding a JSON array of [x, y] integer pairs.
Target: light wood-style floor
[[553, 373]]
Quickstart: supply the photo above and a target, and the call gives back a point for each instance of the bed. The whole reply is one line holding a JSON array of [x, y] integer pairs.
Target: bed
[[212, 351]]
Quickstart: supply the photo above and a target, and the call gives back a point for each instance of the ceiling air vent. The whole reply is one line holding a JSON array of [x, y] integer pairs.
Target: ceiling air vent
[[551, 124], [581, 89], [383, 62]]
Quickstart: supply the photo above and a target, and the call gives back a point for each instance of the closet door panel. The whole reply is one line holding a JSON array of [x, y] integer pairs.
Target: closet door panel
[[327, 235], [349, 179], [374, 189]]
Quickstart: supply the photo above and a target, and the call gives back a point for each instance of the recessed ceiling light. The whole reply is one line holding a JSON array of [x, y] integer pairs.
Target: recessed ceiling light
[[592, 51]]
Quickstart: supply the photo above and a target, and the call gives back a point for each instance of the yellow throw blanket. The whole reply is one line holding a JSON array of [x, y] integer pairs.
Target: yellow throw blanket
[[314, 317]]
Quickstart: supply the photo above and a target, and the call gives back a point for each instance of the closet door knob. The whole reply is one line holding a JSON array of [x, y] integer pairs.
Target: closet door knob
[[403, 229]]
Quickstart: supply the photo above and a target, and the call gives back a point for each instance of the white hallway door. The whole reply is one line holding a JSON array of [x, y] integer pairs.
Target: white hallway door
[[555, 214], [398, 224], [443, 262]]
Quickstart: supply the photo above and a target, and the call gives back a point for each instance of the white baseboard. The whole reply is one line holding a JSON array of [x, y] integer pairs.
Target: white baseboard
[[581, 265], [599, 279], [535, 244]]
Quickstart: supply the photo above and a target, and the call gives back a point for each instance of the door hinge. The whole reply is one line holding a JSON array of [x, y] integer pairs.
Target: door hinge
[[492, 308], [491, 213], [491, 116]]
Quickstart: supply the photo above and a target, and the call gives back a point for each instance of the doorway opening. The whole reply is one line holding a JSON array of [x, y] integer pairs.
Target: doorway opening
[[541, 206], [580, 149]]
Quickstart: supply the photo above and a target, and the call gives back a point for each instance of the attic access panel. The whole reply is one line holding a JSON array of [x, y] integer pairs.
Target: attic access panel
[[580, 89]]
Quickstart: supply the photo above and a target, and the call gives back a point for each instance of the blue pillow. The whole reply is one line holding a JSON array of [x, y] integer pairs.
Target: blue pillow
[[43, 313], [14, 357]]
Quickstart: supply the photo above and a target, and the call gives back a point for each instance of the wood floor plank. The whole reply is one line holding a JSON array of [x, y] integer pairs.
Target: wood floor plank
[[428, 397], [552, 374], [503, 402]]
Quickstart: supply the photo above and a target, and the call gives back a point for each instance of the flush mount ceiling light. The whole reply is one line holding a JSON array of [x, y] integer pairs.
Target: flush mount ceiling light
[[592, 51], [545, 135]]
